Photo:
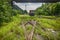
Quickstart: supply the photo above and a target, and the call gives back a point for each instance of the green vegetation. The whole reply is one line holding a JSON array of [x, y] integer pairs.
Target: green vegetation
[[47, 19], [14, 30], [49, 9]]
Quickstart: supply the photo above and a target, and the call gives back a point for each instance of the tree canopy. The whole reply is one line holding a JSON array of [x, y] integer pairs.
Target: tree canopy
[[49, 9]]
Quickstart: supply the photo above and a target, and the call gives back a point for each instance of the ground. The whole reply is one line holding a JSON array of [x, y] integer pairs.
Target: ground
[[47, 28]]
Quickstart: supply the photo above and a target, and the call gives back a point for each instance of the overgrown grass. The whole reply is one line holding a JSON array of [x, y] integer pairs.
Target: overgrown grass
[[14, 31]]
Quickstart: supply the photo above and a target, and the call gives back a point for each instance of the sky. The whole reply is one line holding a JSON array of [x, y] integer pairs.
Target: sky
[[29, 6]]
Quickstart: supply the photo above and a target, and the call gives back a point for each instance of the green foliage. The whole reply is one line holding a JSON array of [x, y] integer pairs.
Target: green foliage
[[5, 11], [14, 30], [49, 9], [25, 12]]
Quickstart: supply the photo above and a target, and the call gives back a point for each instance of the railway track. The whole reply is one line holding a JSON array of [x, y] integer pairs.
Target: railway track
[[29, 36]]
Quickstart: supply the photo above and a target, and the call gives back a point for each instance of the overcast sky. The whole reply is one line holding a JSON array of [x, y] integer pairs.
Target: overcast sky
[[29, 6]]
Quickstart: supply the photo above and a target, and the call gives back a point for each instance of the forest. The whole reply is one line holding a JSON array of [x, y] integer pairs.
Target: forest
[[19, 25]]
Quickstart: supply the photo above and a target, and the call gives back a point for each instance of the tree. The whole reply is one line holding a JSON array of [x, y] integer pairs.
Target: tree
[[49, 9], [6, 11], [25, 12]]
